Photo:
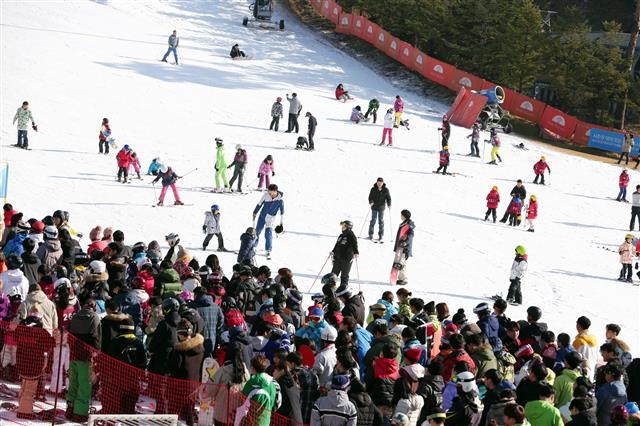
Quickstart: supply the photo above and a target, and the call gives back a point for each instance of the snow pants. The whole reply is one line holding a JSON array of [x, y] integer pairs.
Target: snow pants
[[311, 145], [104, 144], [398, 115], [163, 192], [264, 178], [403, 277], [513, 219], [541, 176], [491, 211], [379, 216], [530, 223], [79, 394], [342, 267], [58, 376], [386, 132], [268, 234], [495, 153], [622, 195], [274, 123], [514, 291], [293, 123], [475, 151], [624, 155], [238, 173], [626, 271], [208, 238], [221, 175], [123, 171], [635, 212], [443, 168], [23, 139]]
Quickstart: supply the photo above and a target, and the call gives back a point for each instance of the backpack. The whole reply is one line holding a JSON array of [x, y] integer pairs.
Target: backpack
[[506, 363]]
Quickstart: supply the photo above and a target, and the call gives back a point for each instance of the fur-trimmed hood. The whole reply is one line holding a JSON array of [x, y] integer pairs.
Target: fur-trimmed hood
[[190, 344]]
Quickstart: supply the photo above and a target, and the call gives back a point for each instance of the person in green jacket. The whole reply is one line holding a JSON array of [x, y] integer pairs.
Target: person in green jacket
[[542, 412], [374, 104], [221, 167], [263, 391], [565, 382], [23, 117]]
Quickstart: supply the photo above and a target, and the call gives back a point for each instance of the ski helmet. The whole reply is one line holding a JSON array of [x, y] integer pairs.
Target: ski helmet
[[218, 141], [14, 262], [628, 237], [329, 278], [170, 305], [215, 208], [534, 198], [542, 158], [347, 223], [59, 214], [318, 297], [126, 148], [390, 110], [520, 250], [164, 168]]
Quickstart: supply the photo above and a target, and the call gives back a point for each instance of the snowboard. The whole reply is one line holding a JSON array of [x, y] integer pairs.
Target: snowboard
[[207, 404], [112, 143], [397, 258]]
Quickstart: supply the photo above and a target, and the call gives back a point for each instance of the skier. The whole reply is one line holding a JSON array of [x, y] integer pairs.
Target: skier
[[265, 171], [173, 41], [341, 94], [405, 243], [532, 212], [239, 164], [378, 196], [475, 138], [514, 209], [236, 52], [623, 182], [124, 160], [221, 167], [493, 198], [518, 268], [445, 129], [211, 227], [357, 116], [539, 169], [295, 107], [626, 149], [372, 109], [343, 253], [398, 108], [521, 192], [388, 127], [276, 114], [270, 204], [169, 179], [311, 129], [154, 166], [635, 208], [23, 116], [494, 140], [135, 162], [444, 160], [103, 137], [626, 251]]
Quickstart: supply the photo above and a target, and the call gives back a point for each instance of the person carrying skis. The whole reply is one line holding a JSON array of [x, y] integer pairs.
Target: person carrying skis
[[269, 205], [103, 137], [521, 192], [494, 140], [444, 160], [276, 114], [539, 169], [124, 160], [379, 196], [388, 127], [532, 212], [493, 198], [445, 128], [623, 182], [135, 163], [475, 138], [221, 167], [236, 52], [343, 253], [239, 164], [342, 94], [169, 179], [311, 129], [357, 116], [295, 107], [372, 109], [404, 241], [626, 251], [173, 42], [211, 227], [23, 117], [515, 210], [398, 108], [518, 268], [265, 171]]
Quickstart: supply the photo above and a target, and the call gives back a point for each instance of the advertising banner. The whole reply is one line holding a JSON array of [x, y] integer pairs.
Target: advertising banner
[[523, 106], [344, 23], [607, 140], [438, 71], [558, 122]]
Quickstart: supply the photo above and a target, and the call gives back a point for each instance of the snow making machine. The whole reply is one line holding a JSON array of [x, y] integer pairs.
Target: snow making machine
[[262, 12], [493, 116]]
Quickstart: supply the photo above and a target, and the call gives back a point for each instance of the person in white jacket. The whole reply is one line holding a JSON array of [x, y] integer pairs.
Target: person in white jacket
[[389, 120], [335, 409], [586, 344], [326, 359], [409, 402], [211, 227], [13, 281]]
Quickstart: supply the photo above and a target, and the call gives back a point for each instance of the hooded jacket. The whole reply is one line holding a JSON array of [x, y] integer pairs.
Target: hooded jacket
[[608, 396], [213, 320], [31, 262], [346, 246], [541, 413], [367, 413], [186, 358], [493, 198], [45, 306], [14, 282], [50, 253], [85, 326], [585, 418], [110, 325], [519, 266], [405, 243], [127, 348], [335, 409], [564, 386], [465, 411], [168, 284], [354, 306], [263, 403], [379, 197], [586, 345], [162, 342], [385, 374], [484, 360], [211, 223]]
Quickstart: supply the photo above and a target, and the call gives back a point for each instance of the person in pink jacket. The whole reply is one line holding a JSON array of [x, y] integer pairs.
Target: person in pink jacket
[[265, 172], [135, 163], [532, 212], [623, 182], [124, 159], [626, 251], [398, 107]]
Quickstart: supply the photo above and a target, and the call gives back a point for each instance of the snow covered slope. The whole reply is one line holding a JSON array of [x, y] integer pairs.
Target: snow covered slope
[[77, 62]]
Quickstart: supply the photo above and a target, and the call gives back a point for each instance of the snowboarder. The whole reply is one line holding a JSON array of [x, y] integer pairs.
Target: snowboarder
[[169, 179], [236, 52], [635, 208], [135, 163], [626, 251], [173, 42], [405, 243], [623, 182], [539, 169], [357, 116], [388, 127], [444, 160], [311, 129], [626, 149], [23, 117], [532, 212], [276, 114], [493, 198], [103, 137], [239, 164], [521, 192], [515, 210], [221, 167], [475, 138], [342, 94], [295, 107], [518, 268], [124, 160], [270, 204], [494, 140], [445, 128], [343, 253], [379, 196], [265, 171], [398, 108], [372, 109], [211, 227]]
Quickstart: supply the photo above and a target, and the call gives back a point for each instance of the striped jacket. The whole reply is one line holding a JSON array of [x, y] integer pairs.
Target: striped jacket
[[335, 409]]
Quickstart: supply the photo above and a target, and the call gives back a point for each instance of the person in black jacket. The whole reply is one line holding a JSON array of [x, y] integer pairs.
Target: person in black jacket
[[353, 304], [378, 197], [311, 130], [344, 251], [518, 190], [368, 414]]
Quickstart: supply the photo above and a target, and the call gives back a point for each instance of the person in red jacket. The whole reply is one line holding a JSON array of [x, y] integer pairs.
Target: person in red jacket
[[623, 182], [539, 169], [532, 212], [457, 354], [493, 198], [124, 160], [444, 160], [341, 94]]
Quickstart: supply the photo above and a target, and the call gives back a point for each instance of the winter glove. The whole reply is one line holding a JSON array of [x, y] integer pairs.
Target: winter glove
[[34, 126], [258, 175], [254, 216], [204, 229], [273, 173], [216, 167], [439, 128]]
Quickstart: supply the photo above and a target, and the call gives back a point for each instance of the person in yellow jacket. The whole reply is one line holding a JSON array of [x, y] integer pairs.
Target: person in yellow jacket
[[221, 167]]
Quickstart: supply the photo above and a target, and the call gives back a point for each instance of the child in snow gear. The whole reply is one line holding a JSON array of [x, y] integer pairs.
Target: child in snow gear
[[248, 243], [626, 148], [372, 109], [154, 167], [169, 179], [344, 251], [124, 160], [494, 140], [311, 129], [23, 117], [532, 212], [398, 108], [493, 198], [378, 197], [265, 171], [444, 160], [518, 190], [341, 94], [635, 208], [211, 227], [270, 204], [357, 116], [135, 162], [518, 268], [475, 138], [404, 246], [173, 42], [626, 251], [276, 114], [103, 137], [388, 127], [295, 107], [239, 163], [236, 52], [221, 167], [515, 210], [539, 169], [623, 182], [302, 143], [445, 129]]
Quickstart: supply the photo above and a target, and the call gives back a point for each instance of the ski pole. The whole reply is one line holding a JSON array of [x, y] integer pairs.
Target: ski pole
[[358, 275], [390, 226], [364, 223], [188, 173], [321, 269], [155, 194], [484, 145], [549, 178]]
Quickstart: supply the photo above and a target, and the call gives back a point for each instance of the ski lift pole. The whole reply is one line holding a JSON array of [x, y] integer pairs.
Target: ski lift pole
[[319, 273]]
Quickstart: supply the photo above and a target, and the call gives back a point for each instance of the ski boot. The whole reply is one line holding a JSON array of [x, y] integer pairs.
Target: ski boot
[[160, 203], [178, 203], [222, 249], [486, 218]]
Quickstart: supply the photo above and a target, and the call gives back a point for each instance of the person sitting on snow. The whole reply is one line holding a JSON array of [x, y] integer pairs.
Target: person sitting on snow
[[236, 52], [357, 115], [342, 94]]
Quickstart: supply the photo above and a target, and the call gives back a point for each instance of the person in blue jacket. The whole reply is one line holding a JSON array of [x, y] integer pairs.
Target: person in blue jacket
[[270, 204]]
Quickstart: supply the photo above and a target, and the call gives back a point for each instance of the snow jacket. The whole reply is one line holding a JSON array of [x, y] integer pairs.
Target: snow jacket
[[186, 359], [14, 245], [7, 215], [312, 124], [221, 162], [124, 158], [495, 141], [99, 245], [374, 104], [519, 266], [110, 328], [635, 199], [32, 343], [38, 300], [623, 182], [354, 307], [451, 360], [398, 105], [385, 375], [240, 159], [335, 409], [213, 320], [493, 198], [340, 91], [346, 246], [324, 364], [163, 339], [14, 283], [379, 197], [23, 117], [105, 132], [276, 109], [173, 41], [269, 208], [85, 326], [444, 157], [541, 413], [295, 106], [627, 251], [266, 169], [135, 163], [475, 133], [411, 406], [490, 326], [247, 247], [389, 120], [587, 345], [211, 223], [585, 418], [532, 211], [515, 206], [540, 167], [564, 385], [263, 402], [608, 396], [628, 143], [367, 413], [168, 178], [30, 266], [445, 128], [407, 241], [356, 115], [466, 410]]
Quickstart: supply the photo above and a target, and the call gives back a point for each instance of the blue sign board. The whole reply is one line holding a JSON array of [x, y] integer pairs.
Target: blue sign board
[[610, 141], [4, 179]]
